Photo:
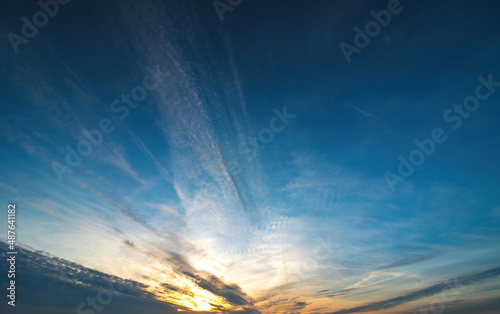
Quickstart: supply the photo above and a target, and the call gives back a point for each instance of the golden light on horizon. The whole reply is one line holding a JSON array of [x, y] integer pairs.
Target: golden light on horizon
[[192, 297], [197, 304]]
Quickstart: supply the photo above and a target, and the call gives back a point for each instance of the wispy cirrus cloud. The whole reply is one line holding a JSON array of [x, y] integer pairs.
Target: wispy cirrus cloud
[[461, 281]]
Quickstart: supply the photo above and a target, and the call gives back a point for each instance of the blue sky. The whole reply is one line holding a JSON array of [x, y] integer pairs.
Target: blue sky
[[178, 201]]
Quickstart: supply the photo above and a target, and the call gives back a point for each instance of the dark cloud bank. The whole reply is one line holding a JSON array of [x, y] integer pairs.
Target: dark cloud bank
[[49, 285]]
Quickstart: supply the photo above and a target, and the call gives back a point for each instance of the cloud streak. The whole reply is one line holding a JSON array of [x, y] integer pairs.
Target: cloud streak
[[465, 280]]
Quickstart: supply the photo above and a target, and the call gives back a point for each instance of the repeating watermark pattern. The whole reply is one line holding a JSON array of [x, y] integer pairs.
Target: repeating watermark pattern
[[11, 254], [250, 148], [324, 249], [103, 298], [437, 305], [30, 29], [265, 135], [453, 116], [363, 37], [222, 7], [119, 106]]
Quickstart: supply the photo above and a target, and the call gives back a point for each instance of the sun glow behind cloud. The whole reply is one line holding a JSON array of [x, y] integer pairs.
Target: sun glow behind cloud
[[192, 297], [307, 224]]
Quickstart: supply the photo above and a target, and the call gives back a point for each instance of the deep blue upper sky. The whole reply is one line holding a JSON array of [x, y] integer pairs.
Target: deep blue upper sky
[[177, 193]]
